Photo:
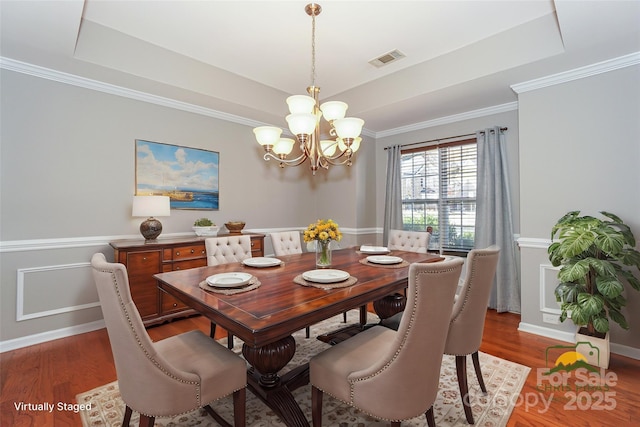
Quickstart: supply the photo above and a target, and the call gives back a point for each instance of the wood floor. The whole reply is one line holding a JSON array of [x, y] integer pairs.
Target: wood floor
[[58, 370]]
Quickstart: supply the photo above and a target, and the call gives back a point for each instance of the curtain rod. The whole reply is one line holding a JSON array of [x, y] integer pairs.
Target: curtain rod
[[448, 137]]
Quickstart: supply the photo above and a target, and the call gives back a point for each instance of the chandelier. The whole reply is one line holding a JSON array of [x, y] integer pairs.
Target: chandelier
[[304, 122]]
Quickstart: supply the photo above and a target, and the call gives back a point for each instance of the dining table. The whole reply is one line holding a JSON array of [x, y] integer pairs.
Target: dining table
[[280, 301]]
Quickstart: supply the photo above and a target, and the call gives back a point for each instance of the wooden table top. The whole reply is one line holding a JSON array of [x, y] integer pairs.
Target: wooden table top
[[279, 307]]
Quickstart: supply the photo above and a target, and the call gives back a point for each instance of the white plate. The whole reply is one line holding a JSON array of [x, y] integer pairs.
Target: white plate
[[229, 280], [383, 259], [261, 261], [366, 249], [325, 276]]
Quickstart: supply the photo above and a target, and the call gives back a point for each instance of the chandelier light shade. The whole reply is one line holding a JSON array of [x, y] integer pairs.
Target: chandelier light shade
[[150, 207], [304, 123]]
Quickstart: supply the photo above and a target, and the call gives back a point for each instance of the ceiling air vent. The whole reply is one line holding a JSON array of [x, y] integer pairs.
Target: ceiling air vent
[[387, 58]]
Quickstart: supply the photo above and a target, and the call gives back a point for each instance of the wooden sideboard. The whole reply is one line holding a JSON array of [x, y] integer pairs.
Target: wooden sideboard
[[144, 259]]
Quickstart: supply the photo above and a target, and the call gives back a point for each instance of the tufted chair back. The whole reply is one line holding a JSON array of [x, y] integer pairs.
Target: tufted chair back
[[227, 249], [412, 241], [286, 242], [393, 375], [168, 377]]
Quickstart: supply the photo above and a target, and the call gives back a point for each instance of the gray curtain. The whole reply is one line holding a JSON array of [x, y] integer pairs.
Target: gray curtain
[[494, 223], [393, 196]]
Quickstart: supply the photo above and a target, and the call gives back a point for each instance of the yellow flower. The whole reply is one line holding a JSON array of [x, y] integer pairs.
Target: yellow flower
[[323, 230]]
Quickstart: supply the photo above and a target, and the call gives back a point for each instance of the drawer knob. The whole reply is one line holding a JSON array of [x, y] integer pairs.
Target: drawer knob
[[192, 250], [251, 244], [178, 253], [175, 304]]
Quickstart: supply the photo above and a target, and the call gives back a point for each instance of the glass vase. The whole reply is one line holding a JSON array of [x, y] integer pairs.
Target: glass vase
[[323, 254]]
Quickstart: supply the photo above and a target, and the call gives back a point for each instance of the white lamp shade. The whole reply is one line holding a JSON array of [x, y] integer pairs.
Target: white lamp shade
[[148, 206], [283, 146], [301, 104], [354, 145], [349, 127], [301, 123], [328, 147], [267, 135], [333, 110]]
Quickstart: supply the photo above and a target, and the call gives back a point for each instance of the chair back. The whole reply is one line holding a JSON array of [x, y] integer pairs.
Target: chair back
[[147, 382], [469, 311], [286, 243], [406, 377], [411, 241], [227, 249]]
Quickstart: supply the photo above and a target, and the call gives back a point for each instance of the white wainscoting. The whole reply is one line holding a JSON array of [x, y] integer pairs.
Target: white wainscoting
[[37, 292]]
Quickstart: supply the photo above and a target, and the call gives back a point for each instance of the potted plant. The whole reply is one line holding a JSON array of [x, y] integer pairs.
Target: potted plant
[[205, 227], [592, 255]]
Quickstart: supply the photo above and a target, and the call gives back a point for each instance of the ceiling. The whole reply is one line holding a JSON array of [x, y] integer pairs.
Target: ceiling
[[244, 58]]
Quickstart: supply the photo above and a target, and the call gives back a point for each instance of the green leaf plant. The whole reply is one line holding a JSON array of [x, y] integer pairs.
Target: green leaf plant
[[593, 255]]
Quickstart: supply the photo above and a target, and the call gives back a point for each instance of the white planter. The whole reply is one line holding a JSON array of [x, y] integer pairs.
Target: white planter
[[206, 231], [596, 350]]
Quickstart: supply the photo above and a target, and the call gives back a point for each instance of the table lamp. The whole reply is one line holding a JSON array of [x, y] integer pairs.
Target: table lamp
[[150, 207]]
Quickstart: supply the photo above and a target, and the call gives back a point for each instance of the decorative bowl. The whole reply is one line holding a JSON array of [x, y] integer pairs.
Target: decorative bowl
[[235, 227]]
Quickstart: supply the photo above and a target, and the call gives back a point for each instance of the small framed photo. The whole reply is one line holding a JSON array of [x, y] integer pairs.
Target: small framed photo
[[189, 176]]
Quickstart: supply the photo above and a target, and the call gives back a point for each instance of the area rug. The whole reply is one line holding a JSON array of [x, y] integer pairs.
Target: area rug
[[503, 380]]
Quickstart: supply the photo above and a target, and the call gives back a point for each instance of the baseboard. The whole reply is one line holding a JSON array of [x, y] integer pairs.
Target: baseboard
[[623, 350], [28, 340]]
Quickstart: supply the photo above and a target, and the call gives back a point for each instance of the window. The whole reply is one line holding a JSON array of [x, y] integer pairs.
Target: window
[[439, 190]]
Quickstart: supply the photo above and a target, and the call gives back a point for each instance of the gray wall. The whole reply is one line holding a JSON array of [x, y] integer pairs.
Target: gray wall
[[67, 178], [579, 150]]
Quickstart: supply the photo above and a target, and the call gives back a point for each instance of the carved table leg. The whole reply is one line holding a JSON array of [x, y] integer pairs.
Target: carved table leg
[[389, 305], [273, 390]]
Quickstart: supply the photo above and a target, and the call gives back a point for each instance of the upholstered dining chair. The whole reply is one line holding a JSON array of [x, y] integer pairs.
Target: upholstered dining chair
[[168, 377], [393, 375], [411, 241], [467, 318], [286, 243], [225, 250]]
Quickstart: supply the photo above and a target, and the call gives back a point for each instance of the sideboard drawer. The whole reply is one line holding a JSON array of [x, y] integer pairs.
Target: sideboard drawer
[[189, 252], [145, 263], [192, 263]]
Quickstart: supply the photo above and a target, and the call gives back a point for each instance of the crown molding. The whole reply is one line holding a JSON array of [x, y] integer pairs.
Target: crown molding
[[578, 73], [71, 79], [496, 109]]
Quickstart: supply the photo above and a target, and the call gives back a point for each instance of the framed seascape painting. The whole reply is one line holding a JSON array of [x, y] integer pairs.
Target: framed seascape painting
[[189, 176]]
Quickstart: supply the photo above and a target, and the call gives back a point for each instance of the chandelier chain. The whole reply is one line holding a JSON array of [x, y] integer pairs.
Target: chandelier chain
[[313, 49]]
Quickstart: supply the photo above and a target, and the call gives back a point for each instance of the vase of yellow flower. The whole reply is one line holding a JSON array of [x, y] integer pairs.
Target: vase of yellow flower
[[323, 232]]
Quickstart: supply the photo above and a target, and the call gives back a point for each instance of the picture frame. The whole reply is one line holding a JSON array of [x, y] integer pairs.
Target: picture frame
[[189, 176]]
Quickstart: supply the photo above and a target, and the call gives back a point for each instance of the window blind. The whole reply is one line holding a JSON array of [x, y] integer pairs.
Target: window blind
[[439, 190]]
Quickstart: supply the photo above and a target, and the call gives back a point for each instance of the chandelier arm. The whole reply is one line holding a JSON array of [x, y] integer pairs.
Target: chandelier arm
[[332, 160], [338, 156], [287, 162]]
